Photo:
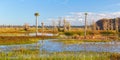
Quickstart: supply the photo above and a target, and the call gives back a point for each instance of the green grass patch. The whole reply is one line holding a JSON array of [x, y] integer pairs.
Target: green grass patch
[[35, 55], [9, 40]]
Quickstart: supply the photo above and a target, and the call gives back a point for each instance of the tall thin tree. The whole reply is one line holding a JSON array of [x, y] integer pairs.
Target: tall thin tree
[[116, 27], [42, 24], [36, 15], [64, 21], [59, 23], [85, 25]]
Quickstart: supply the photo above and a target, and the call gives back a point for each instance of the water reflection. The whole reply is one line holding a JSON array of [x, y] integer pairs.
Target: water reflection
[[50, 46]]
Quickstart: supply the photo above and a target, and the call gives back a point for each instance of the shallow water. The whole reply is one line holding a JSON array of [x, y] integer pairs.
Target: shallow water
[[29, 34], [51, 46]]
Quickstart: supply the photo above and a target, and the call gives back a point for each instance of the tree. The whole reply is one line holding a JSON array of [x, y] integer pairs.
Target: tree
[[85, 24], [36, 15], [64, 21], [26, 27], [42, 24], [59, 24]]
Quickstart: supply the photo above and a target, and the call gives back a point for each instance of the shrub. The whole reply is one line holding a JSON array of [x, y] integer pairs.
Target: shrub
[[115, 57], [80, 33], [68, 33], [107, 32]]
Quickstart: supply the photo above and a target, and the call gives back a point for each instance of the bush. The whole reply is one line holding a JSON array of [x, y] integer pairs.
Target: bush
[[115, 57], [68, 33], [107, 32], [80, 33], [90, 33]]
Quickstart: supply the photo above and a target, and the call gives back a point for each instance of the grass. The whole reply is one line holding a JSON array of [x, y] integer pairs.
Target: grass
[[10, 40], [17, 40], [24, 54], [92, 36]]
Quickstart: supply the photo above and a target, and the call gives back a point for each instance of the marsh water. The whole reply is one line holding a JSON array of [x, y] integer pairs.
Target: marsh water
[[52, 45]]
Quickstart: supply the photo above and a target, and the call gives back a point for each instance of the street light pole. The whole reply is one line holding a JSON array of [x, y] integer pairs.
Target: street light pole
[[85, 25]]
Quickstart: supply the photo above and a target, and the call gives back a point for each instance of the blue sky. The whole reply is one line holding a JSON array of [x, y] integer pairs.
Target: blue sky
[[18, 12]]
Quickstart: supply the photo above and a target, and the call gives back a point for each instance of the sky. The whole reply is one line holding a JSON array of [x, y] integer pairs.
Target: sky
[[19, 12]]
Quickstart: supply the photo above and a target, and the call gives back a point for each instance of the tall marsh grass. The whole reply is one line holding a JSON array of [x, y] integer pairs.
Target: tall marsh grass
[[35, 55]]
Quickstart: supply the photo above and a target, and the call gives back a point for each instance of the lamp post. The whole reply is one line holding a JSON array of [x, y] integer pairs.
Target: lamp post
[[36, 15], [85, 25]]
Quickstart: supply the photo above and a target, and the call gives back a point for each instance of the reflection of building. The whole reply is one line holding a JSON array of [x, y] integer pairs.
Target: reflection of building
[[108, 24]]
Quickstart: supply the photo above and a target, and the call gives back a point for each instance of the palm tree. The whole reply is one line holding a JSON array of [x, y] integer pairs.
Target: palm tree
[[36, 15], [85, 24]]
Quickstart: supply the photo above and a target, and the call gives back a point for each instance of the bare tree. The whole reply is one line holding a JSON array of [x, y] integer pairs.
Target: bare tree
[[116, 27], [68, 26], [111, 25], [26, 26], [64, 21], [42, 24], [94, 26], [54, 26], [116, 24], [59, 23]]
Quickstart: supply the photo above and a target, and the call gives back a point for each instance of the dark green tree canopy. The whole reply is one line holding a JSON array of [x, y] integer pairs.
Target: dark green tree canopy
[[36, 14]]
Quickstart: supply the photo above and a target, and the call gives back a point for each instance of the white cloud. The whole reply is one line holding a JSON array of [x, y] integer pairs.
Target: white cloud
[[93, 16], [77, 18]]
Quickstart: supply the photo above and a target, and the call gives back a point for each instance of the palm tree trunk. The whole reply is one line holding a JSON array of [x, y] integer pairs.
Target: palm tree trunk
[[85, 26], [36, 26]]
